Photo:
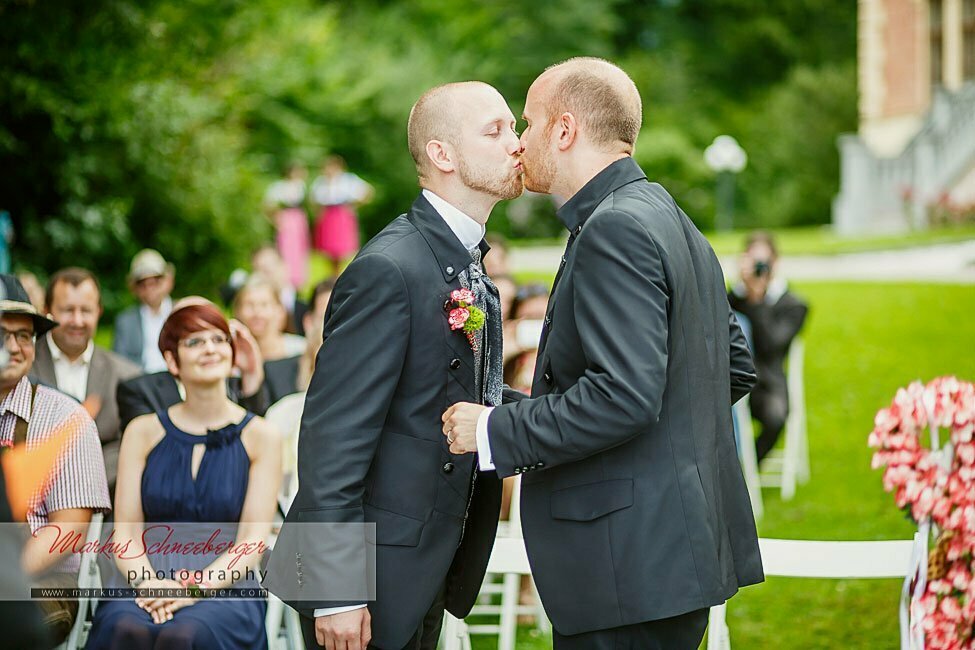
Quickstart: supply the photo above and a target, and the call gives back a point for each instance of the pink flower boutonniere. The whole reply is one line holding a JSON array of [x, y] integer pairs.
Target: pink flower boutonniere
[[463, 315]]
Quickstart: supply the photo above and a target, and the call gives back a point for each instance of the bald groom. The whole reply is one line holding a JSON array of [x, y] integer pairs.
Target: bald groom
[[626, 447], [370, 449]]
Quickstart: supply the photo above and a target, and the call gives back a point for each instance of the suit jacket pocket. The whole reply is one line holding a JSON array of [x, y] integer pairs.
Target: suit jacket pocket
[[392, 528], [592, 501]]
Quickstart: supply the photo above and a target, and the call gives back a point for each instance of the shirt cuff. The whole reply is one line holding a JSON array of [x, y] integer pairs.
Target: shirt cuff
[[329, 611], [484, 459]]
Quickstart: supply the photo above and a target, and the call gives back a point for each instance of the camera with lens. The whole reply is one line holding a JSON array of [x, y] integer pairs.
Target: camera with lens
[[762, 268]]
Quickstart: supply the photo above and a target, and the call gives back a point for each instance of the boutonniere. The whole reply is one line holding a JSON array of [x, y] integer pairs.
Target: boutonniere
[[463, 315]]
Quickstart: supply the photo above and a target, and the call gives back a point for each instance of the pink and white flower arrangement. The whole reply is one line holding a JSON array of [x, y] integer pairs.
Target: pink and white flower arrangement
[[938, 486]]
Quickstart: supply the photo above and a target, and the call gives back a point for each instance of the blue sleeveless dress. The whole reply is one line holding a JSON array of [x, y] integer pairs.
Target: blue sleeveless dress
[[170, 494]]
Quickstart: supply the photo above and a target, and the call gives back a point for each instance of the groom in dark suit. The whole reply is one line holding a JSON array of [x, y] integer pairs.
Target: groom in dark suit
[[634, 509], [399, 347]]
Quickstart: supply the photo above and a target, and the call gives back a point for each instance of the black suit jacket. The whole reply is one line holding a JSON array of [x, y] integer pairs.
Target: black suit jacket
[[158, 391], [281, 377], [634, 507], [370, 448], [774, 326]]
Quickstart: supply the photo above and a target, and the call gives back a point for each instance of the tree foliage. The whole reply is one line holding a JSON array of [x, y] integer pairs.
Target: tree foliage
[[153, 122]]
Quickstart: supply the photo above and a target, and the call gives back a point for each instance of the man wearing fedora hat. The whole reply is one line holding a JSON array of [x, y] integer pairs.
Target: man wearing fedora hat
[[137, 328], [32, 415]]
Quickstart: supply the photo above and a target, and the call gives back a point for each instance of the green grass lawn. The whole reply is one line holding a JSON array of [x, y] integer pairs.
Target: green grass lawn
[[817, 240], [863, 341]]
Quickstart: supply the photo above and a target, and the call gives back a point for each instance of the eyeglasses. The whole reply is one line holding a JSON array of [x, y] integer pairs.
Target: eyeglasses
[[195, 342], [24, 338]]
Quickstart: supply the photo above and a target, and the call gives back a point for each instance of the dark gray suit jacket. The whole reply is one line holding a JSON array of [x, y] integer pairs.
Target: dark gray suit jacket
[[127, 339], [105, 373], [370, 447], [634, 507]]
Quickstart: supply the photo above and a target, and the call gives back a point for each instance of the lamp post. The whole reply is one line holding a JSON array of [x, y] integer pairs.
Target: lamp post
[[726, 158]]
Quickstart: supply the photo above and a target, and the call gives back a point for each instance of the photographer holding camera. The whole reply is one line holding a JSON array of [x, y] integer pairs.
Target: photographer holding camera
[[774, 316]]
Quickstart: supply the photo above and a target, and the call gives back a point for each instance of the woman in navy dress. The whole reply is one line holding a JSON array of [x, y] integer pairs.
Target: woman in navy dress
[[206, 459]]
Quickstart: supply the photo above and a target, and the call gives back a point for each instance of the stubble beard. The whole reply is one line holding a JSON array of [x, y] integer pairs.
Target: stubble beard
[[502, 188], [539, 173]]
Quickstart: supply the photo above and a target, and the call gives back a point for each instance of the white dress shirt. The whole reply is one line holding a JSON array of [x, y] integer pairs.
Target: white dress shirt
[[152, 323], [470, 233], [72, 376]]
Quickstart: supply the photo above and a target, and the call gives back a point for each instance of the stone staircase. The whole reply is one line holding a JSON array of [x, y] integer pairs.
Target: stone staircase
[[889, 194]]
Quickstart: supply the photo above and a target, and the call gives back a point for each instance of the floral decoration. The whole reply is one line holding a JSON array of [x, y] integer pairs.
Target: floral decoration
[[464, 315]]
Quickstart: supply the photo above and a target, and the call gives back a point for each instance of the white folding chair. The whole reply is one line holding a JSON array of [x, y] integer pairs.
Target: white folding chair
[[281, 621], [88, 578], [820, 559], [745, 438], [789, 466], [509, 558], [509, 589]]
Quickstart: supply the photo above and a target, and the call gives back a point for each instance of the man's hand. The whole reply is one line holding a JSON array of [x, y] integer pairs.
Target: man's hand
[[460, 426], [350, 630]]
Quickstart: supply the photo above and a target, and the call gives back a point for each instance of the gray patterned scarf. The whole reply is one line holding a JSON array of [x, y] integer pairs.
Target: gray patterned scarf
[[488, 363]]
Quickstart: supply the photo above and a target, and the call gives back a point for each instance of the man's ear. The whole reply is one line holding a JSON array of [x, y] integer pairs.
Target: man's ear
[[441, 155], [566, 129]]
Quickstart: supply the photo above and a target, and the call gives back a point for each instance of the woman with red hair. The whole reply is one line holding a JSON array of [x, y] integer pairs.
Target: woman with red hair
[[205, 459]]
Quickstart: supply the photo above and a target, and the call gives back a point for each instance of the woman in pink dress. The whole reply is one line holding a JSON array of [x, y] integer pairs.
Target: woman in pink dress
[[337, 191], [284, 201]]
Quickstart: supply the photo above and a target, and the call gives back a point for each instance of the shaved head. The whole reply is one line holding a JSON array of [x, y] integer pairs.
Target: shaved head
[[438, 115], [603, 99]]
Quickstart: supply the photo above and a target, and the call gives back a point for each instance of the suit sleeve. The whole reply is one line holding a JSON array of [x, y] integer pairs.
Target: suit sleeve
[[743, 376], [131, 402], [621, 297], [356, 373]]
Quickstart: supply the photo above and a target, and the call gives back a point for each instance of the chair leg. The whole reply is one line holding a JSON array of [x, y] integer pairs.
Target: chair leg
[[719, 637]]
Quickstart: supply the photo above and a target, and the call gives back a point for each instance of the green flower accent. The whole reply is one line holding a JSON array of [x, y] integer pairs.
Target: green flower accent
[[476, 319]]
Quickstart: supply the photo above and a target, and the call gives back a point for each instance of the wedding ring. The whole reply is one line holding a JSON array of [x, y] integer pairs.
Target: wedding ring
[[449, 439]]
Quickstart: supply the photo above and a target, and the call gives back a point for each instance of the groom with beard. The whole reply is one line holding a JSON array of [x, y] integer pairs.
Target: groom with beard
[[626, 447], [400, 344]]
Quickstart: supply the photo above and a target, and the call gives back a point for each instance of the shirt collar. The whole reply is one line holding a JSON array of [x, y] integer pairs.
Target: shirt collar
[[165, 308], [17, 401], [469, 232], [583, 203], [57, 354]]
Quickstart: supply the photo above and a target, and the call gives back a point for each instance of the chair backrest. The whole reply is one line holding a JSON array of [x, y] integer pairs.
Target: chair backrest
[[828, 559], [285, 414]]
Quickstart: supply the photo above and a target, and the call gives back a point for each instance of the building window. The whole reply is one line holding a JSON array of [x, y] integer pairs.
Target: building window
[[968, 39], [937, 41]]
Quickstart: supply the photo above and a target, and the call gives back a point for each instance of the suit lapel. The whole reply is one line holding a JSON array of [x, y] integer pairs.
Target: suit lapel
[[99, 371], [43, 368], [451, 258]]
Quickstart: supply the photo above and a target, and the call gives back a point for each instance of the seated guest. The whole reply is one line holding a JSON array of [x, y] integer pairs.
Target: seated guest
[[522, 332], [292, 374], [137, 328], [160, 390], [33, 415], [68, 359], [258, 306], [203, 460], [774, 316], [267, 261]]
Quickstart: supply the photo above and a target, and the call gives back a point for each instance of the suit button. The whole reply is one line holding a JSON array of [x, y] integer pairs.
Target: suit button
[[447, 304], [539, 465], [578, 230], [548, 320], [449, 270], [454, 364], [517, 470], [547, 377], [448, 468]]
